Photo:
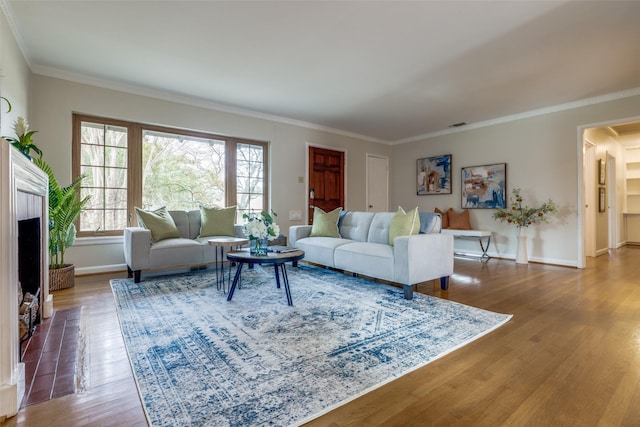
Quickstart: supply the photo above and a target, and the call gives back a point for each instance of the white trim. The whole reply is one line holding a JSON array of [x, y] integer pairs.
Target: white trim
[[98, 269], [98, 240], [528, 114]]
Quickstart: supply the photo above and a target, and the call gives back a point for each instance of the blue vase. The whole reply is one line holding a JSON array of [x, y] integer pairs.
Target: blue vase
[[258, 247]]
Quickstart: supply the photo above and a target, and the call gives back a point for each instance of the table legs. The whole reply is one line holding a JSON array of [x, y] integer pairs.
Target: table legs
[[282, 270]]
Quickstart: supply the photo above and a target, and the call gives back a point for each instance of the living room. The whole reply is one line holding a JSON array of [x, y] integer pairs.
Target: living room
[[542, 149]]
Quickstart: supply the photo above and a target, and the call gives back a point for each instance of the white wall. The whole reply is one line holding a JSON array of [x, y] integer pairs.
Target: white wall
[[14, 80], [541, 153], [54, 101]]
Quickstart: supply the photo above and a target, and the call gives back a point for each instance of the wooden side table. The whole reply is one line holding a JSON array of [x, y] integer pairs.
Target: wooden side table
[[220, 243]]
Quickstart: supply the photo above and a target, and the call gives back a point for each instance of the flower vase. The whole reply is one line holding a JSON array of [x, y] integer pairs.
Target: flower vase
[[258, 247], [522, 257]]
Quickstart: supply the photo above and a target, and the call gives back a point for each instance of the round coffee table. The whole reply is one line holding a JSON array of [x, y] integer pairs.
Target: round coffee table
[[277, 259], [220, 243]]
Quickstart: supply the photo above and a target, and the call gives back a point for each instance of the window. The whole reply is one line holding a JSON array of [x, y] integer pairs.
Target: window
[[129, 164]]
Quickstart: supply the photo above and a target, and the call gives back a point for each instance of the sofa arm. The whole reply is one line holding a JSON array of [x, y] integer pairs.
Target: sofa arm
[[137, 247], [422, 257], [297, 232]]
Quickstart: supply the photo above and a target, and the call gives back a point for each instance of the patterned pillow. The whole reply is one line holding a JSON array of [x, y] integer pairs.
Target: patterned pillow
[[159, 222], [404, 224], [217, 221], [325, 224]]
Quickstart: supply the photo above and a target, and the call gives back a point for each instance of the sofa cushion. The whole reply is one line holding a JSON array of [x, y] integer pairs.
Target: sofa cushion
[[217, 221], [371, 259], [175, 252], [321, 249], [159, 222], [379, 229], [445, 217], [459, 221], [325, 224], [404, 224], [355, 225]]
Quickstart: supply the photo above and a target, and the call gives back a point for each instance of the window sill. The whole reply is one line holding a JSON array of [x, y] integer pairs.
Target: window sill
[[98, 240]]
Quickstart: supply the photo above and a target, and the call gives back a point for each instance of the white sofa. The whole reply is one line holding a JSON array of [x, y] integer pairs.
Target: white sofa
[[140, 253], [363, 248]]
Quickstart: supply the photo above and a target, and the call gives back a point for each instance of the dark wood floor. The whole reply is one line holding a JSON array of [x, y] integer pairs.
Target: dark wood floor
[[569, 357]]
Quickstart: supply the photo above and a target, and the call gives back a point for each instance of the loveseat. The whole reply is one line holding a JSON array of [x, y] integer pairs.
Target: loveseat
[[152, 247], [362, 245]]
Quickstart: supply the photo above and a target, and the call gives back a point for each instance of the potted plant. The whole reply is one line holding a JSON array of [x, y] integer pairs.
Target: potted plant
[[24, 140], [523, 216], [65, 205]]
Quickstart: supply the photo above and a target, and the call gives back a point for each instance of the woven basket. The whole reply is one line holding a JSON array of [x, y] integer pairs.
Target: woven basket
[[62, 278]]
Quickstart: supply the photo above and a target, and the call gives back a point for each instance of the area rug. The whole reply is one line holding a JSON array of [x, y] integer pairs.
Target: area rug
[[199, 360]]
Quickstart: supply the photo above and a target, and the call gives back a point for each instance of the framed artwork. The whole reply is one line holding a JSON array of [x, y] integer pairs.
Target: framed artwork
[[484, 187], [602, 172], [602, 200], [433, 175]]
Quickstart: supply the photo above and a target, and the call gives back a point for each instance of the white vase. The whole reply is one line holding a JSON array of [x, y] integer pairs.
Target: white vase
[[522, 257]]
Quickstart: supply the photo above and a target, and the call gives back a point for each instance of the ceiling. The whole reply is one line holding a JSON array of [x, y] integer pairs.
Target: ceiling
[[390, 71]]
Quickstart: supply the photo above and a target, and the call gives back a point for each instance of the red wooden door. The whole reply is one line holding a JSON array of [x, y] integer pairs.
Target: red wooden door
[[326, 179]]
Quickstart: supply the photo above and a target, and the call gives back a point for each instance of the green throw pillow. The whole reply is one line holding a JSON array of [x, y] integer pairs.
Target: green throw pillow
[[217, 221], [159, 222], [325, 224], [404, 224]]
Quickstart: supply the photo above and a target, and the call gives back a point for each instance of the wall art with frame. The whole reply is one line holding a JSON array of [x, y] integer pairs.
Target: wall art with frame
[[484, 187], [433, 175]]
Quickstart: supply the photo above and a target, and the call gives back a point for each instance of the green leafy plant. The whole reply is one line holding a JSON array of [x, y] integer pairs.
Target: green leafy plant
[[522, 215], [24, 140], [65, 205]]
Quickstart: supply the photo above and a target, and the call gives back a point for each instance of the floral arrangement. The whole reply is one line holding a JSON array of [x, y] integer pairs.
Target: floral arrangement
[[24, 142], [522, 215], [261, 226]]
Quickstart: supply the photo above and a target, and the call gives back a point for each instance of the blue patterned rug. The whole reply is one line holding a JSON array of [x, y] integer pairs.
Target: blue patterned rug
[[199, 360]]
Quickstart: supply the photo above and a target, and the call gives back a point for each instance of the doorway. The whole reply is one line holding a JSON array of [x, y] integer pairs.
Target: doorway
[[326, 170]]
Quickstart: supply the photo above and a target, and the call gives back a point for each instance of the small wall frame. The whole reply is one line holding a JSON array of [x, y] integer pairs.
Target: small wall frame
[[433, 175]]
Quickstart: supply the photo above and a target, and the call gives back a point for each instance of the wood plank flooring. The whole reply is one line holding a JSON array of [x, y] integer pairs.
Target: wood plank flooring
[[569, 357]]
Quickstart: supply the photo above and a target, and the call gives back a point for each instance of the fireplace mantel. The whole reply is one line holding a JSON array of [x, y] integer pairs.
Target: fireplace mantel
[[17, 175]]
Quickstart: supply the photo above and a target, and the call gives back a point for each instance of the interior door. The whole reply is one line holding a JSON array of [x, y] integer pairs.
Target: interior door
[[326, 180], [377, 184]]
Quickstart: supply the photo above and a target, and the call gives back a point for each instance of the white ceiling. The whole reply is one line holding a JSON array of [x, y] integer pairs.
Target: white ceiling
[[386, 70]]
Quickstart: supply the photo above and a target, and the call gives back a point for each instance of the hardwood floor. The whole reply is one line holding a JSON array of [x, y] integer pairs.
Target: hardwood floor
[[570, 355]]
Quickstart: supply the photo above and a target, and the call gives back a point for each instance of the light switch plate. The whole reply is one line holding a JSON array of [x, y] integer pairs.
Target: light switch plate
[[295, 215]]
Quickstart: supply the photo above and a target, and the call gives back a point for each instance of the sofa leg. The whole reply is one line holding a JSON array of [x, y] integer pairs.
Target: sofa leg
[[444, 283], [408, 291], [129, 272], [136, 276]]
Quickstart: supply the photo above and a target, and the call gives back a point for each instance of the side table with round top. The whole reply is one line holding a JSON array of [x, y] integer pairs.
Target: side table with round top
[[277, 259], [220, 243]]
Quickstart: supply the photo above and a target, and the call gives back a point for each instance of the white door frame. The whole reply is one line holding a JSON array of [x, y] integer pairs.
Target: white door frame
[[612, 197], [588, 196]]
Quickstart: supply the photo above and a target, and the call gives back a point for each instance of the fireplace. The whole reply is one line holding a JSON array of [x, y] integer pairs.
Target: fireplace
[[29, 276], [23, 205]]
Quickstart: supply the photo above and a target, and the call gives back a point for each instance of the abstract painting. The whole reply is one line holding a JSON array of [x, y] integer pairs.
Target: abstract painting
[[484, 187], [434, 175]]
